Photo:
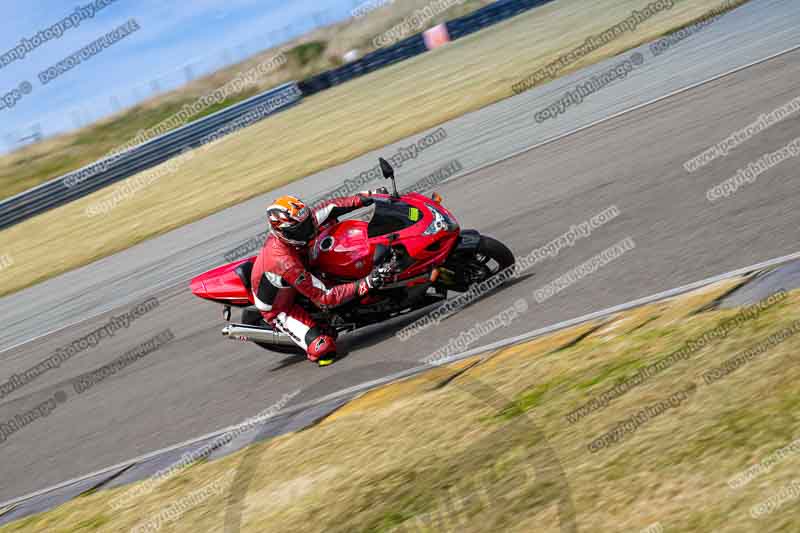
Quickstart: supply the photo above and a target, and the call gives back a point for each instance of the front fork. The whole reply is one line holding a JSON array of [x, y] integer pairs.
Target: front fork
[[455, 274]]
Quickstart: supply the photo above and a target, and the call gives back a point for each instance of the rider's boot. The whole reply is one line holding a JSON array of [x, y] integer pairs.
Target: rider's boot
[[321, 347]]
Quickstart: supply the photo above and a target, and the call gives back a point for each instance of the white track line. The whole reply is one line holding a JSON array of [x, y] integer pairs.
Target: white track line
[[368, 385]]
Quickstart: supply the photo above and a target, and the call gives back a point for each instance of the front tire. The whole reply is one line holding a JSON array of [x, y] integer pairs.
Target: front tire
[[492, 249], [489, 258]]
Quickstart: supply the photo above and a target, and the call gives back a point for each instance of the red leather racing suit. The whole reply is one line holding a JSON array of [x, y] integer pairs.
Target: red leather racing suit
[[280, 272]]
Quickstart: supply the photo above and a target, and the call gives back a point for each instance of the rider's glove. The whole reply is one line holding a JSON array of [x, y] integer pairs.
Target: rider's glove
[[385, 273], [367, 285], [375, 280]]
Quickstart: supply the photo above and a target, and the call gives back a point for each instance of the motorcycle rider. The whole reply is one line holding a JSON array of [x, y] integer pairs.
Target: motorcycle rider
[[281, 271]]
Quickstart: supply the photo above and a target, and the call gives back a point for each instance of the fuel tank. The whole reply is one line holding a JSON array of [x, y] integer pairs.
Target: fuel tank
[[343, 251]]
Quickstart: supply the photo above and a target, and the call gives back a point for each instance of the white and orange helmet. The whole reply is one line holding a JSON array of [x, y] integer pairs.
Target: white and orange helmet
[[291, 220]]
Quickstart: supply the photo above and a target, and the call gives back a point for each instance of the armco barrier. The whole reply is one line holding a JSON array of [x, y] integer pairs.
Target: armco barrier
[[55, 193], [489, 15], [415, 45], [400, 51]]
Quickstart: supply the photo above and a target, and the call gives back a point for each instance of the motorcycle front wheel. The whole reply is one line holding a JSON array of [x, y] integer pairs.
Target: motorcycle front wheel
[[489, 258]]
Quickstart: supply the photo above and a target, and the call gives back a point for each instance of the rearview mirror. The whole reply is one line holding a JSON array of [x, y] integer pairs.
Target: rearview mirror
[[388, 173], [386, 168]]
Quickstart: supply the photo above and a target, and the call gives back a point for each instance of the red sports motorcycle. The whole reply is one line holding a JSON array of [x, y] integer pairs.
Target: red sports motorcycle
[[419, 239]]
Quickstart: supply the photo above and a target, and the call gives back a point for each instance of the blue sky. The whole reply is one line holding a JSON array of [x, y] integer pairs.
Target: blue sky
[[203, 33]]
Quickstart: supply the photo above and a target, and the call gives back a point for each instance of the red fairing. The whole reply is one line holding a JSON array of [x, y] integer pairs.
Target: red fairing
[[343, 251], [223, 285], [429, 251]]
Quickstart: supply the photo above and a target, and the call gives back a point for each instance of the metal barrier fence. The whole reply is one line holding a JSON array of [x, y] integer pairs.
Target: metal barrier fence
[[56, 192], [415, 45]]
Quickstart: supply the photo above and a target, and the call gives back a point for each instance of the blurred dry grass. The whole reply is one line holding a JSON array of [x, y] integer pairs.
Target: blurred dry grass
[[467, 451], [327, 129]]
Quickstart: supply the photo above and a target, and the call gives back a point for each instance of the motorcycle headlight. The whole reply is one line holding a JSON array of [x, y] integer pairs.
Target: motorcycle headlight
[[441, 222]]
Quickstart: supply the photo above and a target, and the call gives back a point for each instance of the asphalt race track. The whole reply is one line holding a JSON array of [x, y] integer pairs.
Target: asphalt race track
[[200, 382]]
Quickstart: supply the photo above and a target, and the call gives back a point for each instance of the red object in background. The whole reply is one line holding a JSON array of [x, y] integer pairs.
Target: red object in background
[[436, 36]]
